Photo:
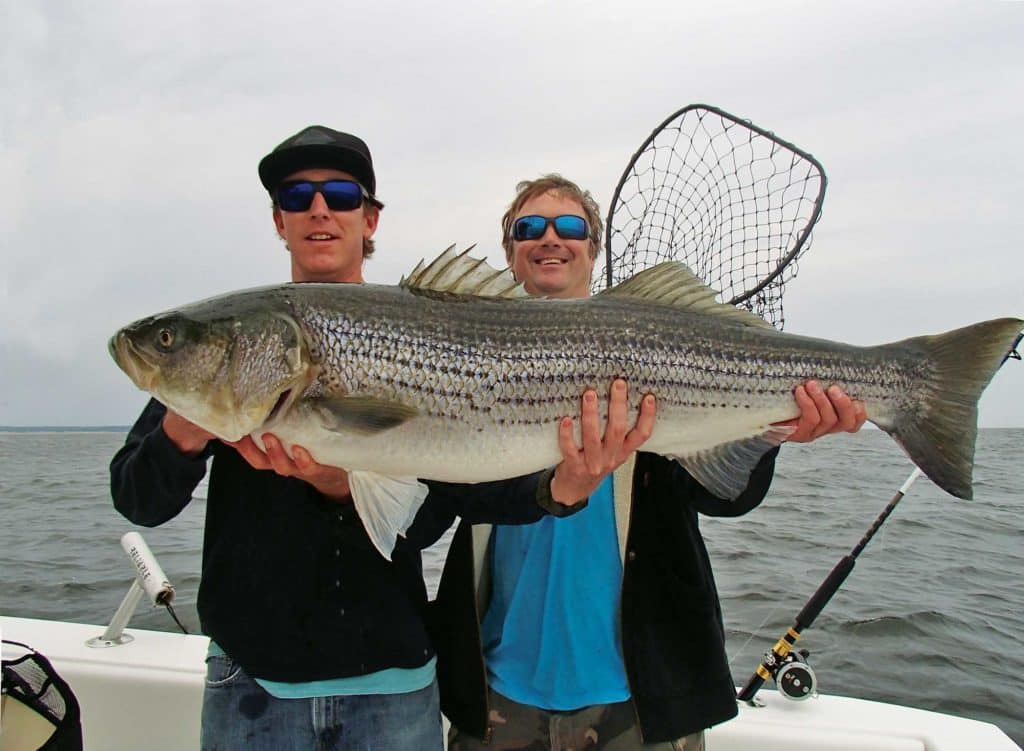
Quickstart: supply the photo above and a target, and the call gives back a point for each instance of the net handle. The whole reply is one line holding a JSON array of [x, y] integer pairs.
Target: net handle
[[801, 238]]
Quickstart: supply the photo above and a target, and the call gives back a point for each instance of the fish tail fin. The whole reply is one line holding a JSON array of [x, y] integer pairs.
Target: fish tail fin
[[940, 434]]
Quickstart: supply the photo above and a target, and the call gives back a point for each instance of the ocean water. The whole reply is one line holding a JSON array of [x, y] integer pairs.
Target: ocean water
[[932, 616]]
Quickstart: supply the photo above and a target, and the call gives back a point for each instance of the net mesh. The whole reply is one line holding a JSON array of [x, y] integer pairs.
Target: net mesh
[[732, 201]]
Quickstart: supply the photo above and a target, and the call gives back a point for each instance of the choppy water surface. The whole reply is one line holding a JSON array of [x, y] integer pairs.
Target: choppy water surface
[[930, 616]]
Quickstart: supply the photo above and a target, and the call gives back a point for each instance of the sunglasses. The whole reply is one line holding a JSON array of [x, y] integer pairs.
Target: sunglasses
[[533, 227], [339, 195]]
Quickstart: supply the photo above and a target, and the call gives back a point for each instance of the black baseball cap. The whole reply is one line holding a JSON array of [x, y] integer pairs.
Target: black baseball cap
[[317, 146]]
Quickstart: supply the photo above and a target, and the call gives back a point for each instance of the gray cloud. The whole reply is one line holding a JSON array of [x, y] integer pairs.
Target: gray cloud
[[129, 139]]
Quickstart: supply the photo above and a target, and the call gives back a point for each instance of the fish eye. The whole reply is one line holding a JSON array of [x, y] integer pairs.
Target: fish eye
[[165, 338]]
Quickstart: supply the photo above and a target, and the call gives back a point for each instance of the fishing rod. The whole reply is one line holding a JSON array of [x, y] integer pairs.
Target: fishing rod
[[792, 675]]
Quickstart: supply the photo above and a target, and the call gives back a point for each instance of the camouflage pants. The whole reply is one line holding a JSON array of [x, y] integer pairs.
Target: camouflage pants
[[608, 727]]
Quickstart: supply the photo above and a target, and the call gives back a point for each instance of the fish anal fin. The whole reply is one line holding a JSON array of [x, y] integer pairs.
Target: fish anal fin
[[725, 469], [363, 415]]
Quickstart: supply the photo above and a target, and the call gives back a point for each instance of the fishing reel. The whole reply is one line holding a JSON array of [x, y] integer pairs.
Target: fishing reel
[[794, 678]]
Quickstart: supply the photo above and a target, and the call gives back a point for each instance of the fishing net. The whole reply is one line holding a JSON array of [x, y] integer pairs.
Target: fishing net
[[46, 716], [732, 201]]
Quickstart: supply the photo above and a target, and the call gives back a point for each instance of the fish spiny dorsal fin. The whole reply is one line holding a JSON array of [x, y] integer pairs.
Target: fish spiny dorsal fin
[[455, 273], [671, 283], [424, 273]]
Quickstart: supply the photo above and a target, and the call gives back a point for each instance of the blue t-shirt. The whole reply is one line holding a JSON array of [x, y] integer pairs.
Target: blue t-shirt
[[551, 634]]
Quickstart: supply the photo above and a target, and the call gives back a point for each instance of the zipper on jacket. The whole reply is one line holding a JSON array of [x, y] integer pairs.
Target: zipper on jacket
[[488, 730], [622, 630]]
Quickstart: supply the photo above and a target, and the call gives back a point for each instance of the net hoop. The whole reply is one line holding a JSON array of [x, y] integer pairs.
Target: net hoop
[[730, 199]]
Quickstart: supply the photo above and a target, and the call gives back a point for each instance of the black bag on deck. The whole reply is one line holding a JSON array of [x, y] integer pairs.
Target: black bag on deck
[[32, 681]]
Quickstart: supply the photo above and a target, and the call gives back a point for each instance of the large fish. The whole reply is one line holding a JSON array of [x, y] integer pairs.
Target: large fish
[[456, 375]]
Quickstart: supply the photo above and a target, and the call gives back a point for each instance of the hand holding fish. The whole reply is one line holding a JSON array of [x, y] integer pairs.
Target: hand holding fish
[[823, 412], [330, 481], [584, 467], [189, 438]]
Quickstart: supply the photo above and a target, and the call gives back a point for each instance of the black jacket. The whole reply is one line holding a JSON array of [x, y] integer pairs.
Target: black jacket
[[292, 588], [673, 638]]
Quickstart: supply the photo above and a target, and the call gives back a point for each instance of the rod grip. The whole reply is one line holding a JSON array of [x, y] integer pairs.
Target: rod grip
[[828, 588], [750, 690]]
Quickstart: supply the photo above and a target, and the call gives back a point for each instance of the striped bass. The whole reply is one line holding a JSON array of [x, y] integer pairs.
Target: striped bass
[[455, 374]]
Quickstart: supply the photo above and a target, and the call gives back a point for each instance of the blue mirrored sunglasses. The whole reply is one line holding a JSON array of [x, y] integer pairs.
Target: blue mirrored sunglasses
[[533, 227], [339, 195]]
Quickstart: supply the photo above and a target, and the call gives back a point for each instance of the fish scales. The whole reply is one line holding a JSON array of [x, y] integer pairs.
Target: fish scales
[[484, 364]]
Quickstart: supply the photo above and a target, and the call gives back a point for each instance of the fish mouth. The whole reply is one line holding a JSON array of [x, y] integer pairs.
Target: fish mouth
[[128, 357]]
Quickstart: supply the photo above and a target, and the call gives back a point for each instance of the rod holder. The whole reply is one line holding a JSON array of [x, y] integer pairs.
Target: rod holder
[[149, 580]]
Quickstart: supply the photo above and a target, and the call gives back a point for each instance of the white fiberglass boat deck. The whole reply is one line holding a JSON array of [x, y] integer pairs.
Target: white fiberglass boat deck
[[147, 694]]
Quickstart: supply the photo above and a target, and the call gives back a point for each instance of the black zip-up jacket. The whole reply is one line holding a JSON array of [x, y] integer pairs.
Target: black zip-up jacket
[[292, 588], [673, 638]]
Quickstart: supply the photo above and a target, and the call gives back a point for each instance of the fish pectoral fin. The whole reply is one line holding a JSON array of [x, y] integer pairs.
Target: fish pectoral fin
[[725, 469], [386, 506], [361, 414]]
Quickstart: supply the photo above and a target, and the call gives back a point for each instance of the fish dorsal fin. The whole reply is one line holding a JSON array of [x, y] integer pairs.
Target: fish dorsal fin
[[454, 273], [671, 283]]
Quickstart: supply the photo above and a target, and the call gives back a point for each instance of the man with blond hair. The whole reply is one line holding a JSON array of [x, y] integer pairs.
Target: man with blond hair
[[603, 631]]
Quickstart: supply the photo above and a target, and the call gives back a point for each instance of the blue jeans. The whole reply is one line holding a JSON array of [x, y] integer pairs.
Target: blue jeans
[[239, 714]]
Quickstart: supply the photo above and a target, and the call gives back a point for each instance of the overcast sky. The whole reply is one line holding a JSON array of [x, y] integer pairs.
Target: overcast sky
[[130, 134]]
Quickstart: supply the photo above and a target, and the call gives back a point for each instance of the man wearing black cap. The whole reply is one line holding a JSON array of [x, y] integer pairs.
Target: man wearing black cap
[[328, 231], [317, 640]]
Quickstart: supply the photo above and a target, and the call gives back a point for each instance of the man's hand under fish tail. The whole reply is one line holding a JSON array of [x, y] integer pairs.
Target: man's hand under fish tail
[[584, 467], [824, 411], [330, 481]]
